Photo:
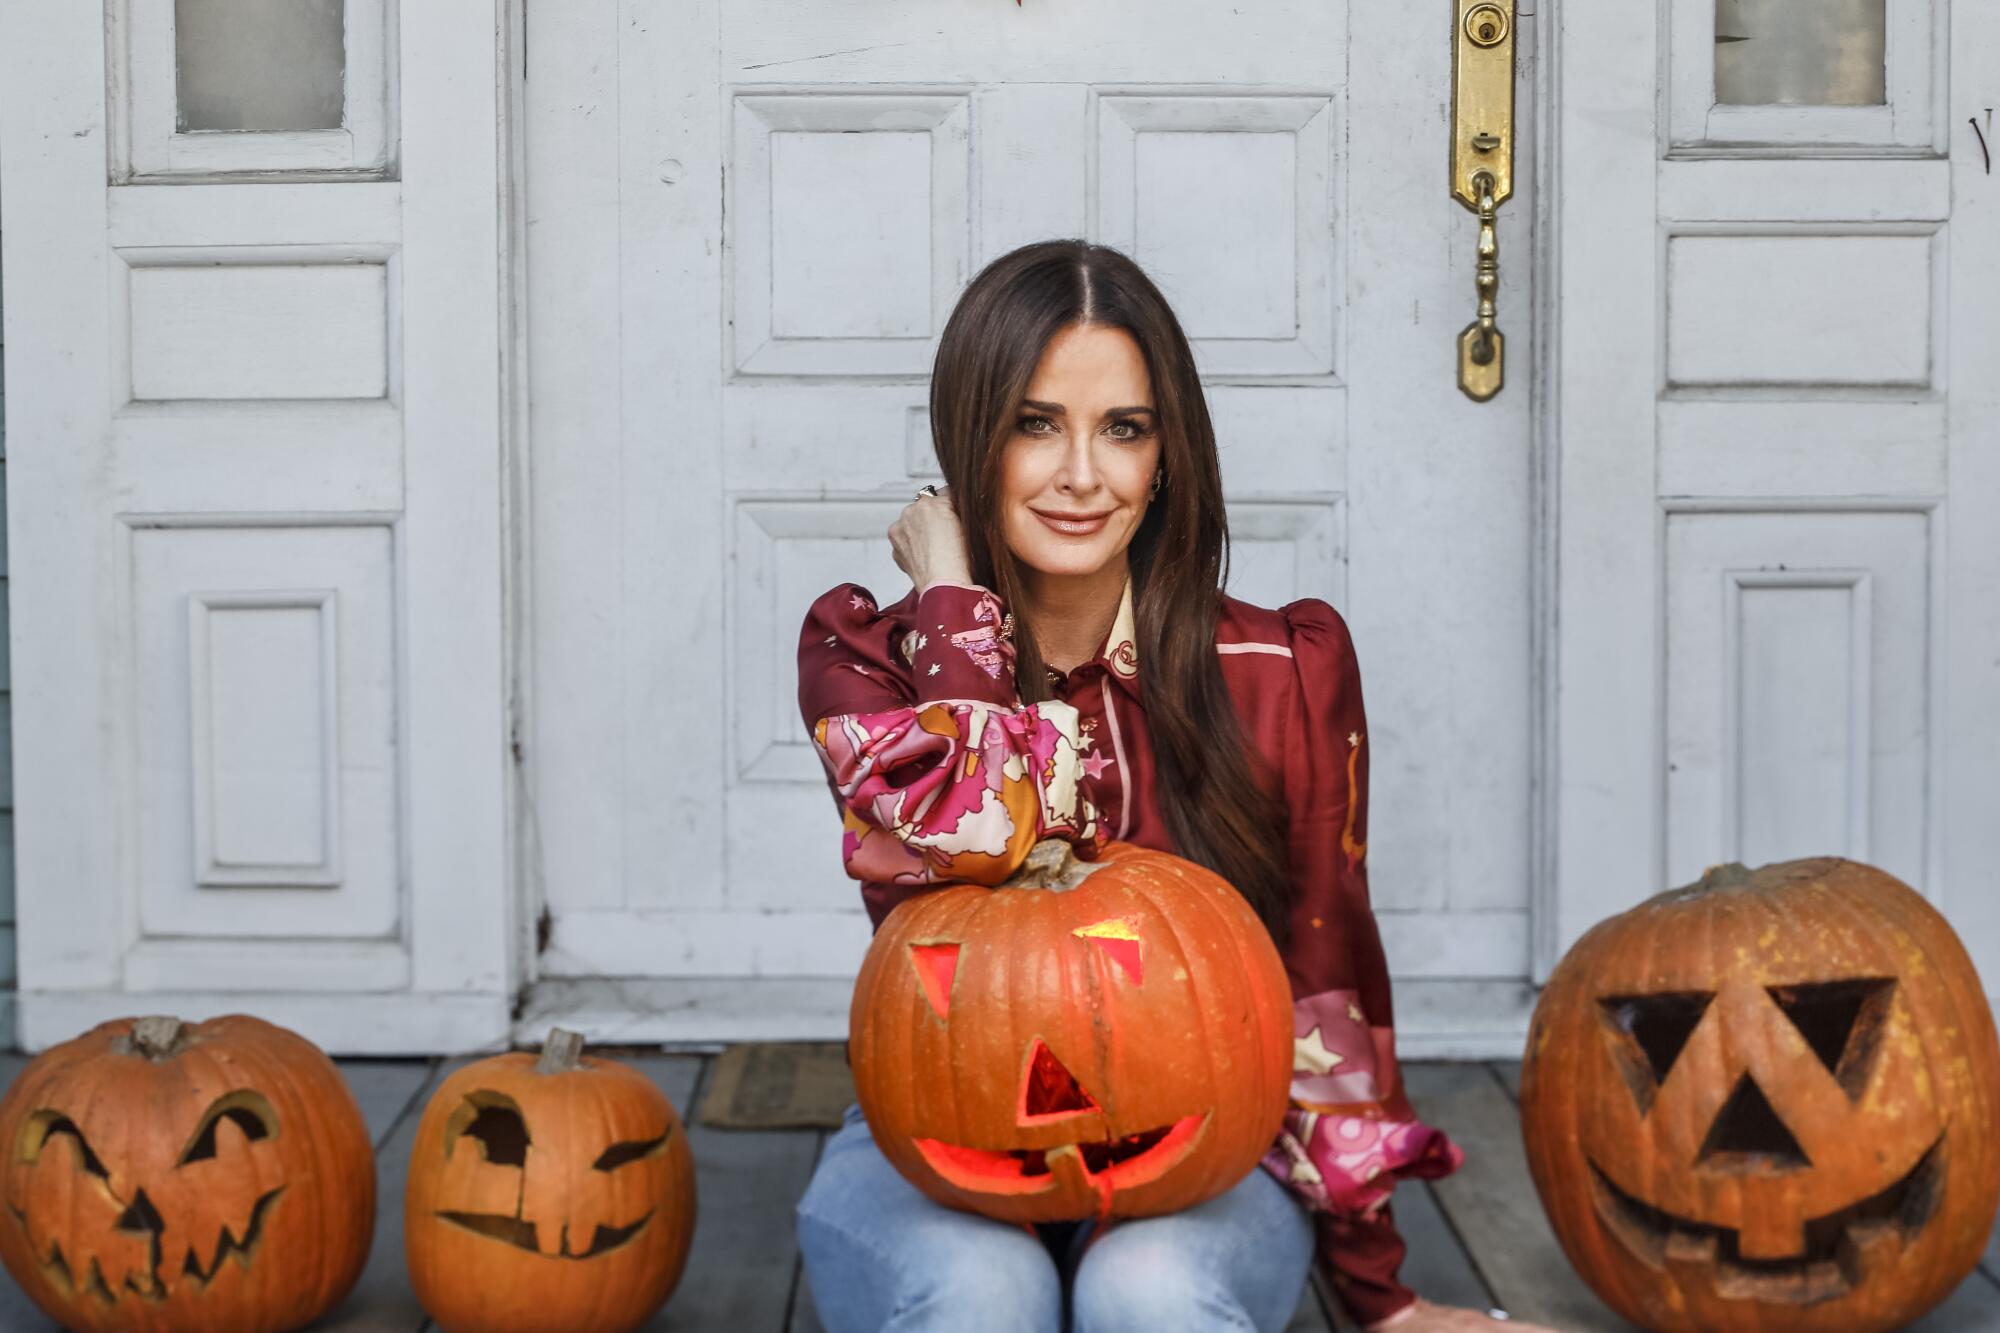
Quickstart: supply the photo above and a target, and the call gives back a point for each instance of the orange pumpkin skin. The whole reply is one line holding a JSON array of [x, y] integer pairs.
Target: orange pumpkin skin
[[995, 1032], [548, 1194], [1767, 1102], [232, 1146]]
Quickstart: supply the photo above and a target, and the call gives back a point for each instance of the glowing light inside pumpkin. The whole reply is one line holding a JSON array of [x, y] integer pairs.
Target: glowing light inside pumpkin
[[1119, 941], [936, 965], [1050, 1092], [1106, 1166]]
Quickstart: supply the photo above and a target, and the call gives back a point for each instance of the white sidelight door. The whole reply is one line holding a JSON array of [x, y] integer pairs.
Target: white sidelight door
[[747, 224], [255, 345], [1779, 317]]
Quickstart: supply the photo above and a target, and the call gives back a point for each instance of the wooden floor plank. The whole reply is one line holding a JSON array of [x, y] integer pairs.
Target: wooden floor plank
[[1991, 1265], [739, 1275], [676, 1075], [1437, 1266], [1509, 1072], [1311, 1316], [805, 1315], [382, 1301], [1491, 1201], [1973, 1308], [385, 1089]]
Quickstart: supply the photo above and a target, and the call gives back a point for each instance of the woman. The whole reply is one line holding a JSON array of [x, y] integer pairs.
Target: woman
[[1066, 607]]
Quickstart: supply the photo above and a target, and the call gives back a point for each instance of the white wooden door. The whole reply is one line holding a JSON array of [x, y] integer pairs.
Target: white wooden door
[[747, 224], [254, 370], [1779, 628]]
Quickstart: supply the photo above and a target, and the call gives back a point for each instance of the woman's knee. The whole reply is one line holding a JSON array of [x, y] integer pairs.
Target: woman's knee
[[955, 1273], [1236, 1263], [1156, 1287], [881, 1256], [1007, 1288]]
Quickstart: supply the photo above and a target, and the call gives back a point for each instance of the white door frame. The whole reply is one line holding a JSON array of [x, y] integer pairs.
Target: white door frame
[[1603, 779], [422, 464]]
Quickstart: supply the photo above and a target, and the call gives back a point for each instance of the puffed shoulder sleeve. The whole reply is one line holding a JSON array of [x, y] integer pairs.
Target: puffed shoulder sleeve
[[940, 772], [1350, 1133]]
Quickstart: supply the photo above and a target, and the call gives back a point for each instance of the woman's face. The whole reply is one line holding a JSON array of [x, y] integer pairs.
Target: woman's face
[[1078, 469]]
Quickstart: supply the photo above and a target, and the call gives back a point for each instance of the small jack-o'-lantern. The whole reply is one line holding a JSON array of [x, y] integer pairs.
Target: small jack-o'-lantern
[[550, 1193], [165, 1177], [1768, 1101], [1108, 1038]]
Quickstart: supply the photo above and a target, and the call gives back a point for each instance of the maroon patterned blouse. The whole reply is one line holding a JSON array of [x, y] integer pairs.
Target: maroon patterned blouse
[[943, 775]]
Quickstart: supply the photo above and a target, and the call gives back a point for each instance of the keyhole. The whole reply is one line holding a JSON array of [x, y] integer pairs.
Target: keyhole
[[1486, 25]]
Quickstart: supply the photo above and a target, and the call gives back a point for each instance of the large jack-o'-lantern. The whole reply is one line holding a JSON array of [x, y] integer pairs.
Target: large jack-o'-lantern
[[1103, 1038], [165, 1177], [548, 1193], [1768, 1101]]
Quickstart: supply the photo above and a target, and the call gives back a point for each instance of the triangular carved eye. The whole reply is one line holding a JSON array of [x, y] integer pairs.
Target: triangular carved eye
[[1119, 942], [1842, 1021], [1649, 1032], [936, 965]]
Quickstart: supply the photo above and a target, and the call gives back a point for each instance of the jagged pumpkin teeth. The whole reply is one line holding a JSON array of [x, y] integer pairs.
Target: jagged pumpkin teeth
[[211, 1157], [1768, 1100]]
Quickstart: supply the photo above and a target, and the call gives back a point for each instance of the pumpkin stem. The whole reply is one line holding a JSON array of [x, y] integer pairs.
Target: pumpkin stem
[[560, 1052], [1051, 864], [158, 1036], [1727, 875]]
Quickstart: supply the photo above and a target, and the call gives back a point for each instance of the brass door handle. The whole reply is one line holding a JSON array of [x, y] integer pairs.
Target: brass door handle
[[1482, 169]]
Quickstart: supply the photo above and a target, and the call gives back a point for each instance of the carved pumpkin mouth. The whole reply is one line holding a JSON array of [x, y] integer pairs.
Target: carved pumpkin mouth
[[142, 1218], [522, 1235], [1841, 1249], [1103, 1165]]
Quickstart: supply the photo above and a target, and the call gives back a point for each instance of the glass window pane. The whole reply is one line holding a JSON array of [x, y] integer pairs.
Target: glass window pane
[[260, 64], [1802, 52]]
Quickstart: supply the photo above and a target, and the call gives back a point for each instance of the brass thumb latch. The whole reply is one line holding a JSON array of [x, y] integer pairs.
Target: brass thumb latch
[[1482, 168]]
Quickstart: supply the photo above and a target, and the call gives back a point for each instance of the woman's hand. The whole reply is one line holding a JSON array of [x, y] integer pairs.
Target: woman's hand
[[929, 543]]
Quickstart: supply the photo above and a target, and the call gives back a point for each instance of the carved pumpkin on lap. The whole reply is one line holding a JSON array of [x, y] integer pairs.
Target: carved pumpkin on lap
[[1106, 1038], [164, 1177], [550, 1193], [1768, 1101]]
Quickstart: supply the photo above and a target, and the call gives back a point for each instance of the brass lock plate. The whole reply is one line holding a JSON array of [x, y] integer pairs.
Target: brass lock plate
[[1479, 368], [1482, 98]]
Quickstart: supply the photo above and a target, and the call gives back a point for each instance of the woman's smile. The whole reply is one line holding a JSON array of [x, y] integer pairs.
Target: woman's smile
[[1078, 525]]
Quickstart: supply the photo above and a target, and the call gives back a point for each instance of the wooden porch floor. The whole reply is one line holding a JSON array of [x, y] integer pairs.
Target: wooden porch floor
[[1477, 1238]]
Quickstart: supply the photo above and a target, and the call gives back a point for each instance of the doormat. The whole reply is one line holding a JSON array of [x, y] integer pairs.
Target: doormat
[[778, 1085]]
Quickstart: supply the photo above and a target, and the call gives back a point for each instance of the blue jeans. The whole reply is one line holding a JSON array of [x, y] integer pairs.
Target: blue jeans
[[883, 1258]]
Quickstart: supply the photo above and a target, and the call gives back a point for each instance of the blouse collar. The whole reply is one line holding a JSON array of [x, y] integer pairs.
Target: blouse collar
[[1119, 653]]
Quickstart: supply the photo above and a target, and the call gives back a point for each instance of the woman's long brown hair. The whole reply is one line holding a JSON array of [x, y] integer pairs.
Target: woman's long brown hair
[[1218, 814]]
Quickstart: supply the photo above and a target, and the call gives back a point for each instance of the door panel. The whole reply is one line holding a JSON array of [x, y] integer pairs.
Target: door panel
[[255, 514], [730, 349], [1776, 473]]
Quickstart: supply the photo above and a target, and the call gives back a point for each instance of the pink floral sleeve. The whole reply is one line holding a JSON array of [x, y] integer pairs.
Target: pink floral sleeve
[[940, 771]]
